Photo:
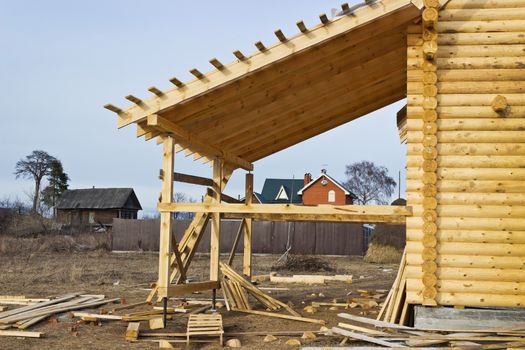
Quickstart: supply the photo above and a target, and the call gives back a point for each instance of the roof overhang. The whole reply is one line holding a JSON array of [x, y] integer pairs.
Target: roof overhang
[[286, 93]]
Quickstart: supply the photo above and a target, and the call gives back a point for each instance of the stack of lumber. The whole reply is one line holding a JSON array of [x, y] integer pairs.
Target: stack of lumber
[[26, 316], [236, 290], [392, 335]]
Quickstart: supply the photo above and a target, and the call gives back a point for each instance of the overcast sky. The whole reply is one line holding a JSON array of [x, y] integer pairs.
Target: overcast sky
[[61, 61]]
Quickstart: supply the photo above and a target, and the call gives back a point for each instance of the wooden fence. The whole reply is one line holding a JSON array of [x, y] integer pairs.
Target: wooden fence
[[323, 238]]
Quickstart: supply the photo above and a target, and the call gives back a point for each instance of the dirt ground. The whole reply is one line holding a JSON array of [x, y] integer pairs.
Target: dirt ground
[[127, 275]]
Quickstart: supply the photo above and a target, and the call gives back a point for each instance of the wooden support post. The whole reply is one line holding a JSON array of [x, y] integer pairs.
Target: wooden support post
[[247, 256], [165, 218], [218, 165]]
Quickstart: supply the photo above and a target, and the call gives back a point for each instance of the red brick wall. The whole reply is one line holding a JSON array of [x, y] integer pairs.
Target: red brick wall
[[318, 194]]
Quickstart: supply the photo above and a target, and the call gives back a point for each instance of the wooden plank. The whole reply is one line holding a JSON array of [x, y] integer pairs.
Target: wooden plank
[[236, 242], [366, 338], [376, 323], [287, 317], [133, 331], [192, 179], [165, 247], [188, 288], [22, 334], [248, 229], [466, 319]]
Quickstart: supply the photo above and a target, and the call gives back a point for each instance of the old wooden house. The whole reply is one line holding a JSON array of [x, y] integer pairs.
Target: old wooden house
[[460, 65], [97, 206]]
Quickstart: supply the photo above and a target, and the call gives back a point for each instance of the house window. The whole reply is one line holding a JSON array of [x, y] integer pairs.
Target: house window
[[282, 194], [91, 217], [128, 214], [331, 196]]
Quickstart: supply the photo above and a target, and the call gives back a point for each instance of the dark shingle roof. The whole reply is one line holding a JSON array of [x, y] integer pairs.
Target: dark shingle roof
[[272, 186], [99, 198]]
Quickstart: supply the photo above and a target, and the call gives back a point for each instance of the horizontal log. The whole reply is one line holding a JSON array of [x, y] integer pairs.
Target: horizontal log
[[504, 263], [470, 274], [470, 63], [472, 174], [490, 14], [446, 39], [188, 288], [470, 286], [492, 224], [456, 198], [475, 87], [481, 26], [471, 124], [476, 211], [484, 4], [470, 161], [466, 100], [459, 112], [470, 149], [471, 136], [471, 236], [459, 248], [450, 51], [470, 299]]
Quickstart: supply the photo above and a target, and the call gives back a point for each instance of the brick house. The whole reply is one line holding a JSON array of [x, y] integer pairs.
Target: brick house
[[321, 190], [324, 190], [97, 206]]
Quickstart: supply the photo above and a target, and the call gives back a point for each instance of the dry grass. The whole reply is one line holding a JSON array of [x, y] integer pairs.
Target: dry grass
[[53, 243], [383, 254]]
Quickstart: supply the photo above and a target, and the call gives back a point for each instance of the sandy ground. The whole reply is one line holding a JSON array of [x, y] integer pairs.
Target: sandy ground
[[126, 275]]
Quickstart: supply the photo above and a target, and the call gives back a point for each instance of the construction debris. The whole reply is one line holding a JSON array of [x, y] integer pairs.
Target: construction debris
[[26, 316], [397, 336], [293, 342], [236, 290]]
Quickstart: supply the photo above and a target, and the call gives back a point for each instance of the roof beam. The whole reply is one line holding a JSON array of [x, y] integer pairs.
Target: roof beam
[[193, 141], [275, 53]]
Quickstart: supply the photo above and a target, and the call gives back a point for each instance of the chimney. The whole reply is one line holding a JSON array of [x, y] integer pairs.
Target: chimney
[[307, 178]]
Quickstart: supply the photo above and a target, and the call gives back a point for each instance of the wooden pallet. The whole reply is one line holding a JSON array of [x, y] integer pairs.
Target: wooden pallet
[[203, 324]]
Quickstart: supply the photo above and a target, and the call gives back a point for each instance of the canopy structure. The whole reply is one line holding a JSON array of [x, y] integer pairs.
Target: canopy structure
[[288, 92]]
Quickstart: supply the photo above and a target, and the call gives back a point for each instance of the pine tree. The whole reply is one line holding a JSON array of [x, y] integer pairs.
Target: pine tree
[[57, 184]]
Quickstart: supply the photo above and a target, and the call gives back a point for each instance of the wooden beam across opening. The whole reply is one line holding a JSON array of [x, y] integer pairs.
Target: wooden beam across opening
[[188, 288], [192, 179], [194, 141], [345, 213]]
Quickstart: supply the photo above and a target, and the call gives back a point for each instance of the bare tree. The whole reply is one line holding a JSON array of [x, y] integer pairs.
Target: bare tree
[[179, 197], [370, 183], [35, 166]]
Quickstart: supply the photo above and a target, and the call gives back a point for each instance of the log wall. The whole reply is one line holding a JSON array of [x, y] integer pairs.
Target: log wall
[[476, 195]]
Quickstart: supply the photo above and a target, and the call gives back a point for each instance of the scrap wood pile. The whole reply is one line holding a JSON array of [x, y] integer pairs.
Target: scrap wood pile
[[395, 307], [236, 290], [392, 335], [38, 310]]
